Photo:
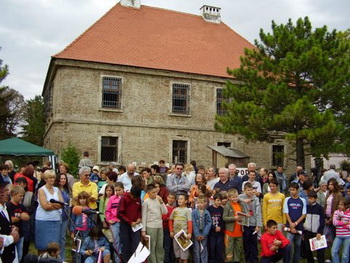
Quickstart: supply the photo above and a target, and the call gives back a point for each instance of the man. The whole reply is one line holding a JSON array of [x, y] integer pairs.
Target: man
[[86, 185], [232, 170], [8, 235], [251, 168], [331, 173], [224, 183], [125, 178], [281, 177], [301, 178], [85, 161], [176, 182]]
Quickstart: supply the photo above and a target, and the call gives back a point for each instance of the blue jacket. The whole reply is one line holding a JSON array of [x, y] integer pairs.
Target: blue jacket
[[196, 223], [78, 221], [90, 245]]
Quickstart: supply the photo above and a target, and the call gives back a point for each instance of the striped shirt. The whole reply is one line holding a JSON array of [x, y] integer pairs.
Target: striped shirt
[[341, 221]]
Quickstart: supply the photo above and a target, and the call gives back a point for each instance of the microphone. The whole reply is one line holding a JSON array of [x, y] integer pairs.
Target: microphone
[[78, 210], [53, 201]]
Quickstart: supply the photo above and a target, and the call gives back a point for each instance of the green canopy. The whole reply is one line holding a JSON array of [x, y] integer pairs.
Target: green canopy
[[19, 147]]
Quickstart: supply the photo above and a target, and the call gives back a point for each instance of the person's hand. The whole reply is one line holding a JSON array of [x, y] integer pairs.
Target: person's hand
[[160, 200], [72, 235], [217, 229], [257, 229], [56, 206], [237, 218], [92, 199], [189, 236], [133, 224], [292, 225], [198, 238], [277, 243], [88, 252], [273, 248], [318, 236], [143, 235], [138, 221], [111, 222], [102, 248], [104, 224], [14, 233], [172, 234], [247, 201], [293, 230]]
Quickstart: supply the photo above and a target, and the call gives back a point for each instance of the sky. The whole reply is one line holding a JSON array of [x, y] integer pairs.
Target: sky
[[31, 31]]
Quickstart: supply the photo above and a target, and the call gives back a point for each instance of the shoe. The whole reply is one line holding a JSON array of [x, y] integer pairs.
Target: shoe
[[315, 258], [328, 261]]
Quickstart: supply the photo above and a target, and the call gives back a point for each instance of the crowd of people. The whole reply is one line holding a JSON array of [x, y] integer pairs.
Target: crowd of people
[[180, 212]]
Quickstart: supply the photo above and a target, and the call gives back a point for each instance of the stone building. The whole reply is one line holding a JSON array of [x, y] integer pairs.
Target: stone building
[[144, 84]]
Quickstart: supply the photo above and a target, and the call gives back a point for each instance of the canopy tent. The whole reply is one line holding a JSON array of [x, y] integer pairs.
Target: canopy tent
[[19, 147]]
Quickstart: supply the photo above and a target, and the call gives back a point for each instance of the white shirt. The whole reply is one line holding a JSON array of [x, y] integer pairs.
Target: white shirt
[[8, 239]]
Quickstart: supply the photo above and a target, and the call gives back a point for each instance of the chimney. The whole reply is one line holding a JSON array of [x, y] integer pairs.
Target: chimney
[[131, 3], [211, 13]]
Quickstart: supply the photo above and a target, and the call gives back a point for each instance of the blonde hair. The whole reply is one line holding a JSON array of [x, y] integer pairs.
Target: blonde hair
[[47, 174], [16, 189], [232, 192]]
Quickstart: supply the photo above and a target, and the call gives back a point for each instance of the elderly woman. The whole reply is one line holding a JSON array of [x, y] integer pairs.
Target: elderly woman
[[48, 215]]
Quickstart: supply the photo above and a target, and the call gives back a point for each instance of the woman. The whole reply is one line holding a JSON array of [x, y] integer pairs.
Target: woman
[[48, 215], [28, 174], [147, 176], [266, 187], [331, 204], [200, 187], [63, 185]]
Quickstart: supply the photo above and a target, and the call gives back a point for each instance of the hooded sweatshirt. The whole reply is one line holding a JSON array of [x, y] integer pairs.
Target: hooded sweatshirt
[[129, 209]]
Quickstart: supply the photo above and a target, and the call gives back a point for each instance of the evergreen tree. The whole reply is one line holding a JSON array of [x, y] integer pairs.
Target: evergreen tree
[[293, 84], [71, 156]]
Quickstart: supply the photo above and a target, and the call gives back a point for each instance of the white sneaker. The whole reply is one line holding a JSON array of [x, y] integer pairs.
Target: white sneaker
[[328, 261]]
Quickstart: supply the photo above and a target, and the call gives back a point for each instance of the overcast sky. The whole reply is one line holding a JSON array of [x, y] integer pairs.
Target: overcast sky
[[31, 31]]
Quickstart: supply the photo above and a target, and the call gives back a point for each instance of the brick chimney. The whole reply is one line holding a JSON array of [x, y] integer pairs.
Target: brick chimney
[[131, 3], [211, 13]]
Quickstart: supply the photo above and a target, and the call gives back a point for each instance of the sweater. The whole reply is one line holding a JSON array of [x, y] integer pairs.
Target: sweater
[[315, 218], [267, 240], [152, 212], [129, 209], [112, 208], [341, 221], [253, 208], [273, 208]]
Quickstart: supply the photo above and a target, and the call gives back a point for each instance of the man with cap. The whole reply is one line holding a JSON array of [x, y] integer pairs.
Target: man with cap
[[313, 226], [8, 235], [301, 178]]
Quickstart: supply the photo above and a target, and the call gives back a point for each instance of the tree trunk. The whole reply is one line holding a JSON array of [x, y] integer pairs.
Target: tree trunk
[[300, 152]]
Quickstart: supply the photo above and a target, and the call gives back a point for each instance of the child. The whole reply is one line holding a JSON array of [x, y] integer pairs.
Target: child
[[295, 211], [83, 223], [129, 214], [181, 219], [167, 244], [313, 226], [53, 251], [216, 234], [273, 243], [201, 226], [94, 244], [109, 191], [233, 231], [224, 198], [112, 216], [273, 205], [252, 224], [341, 221], [102, 179], [94, 176], [18, 213], [152, 210]]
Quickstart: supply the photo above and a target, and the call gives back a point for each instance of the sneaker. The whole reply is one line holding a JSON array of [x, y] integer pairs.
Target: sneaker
[[315, 258], [328, 261]]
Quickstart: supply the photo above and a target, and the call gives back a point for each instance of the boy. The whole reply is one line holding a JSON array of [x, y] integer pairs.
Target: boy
[[18, 214], [201, 227], [273, 205], [152, 210], [53, 251], [255, 184], [252, 224], [313, 226], [295, 211], [181, 219], [216, 234], [4, 172], [168, 246], [273, 243], [233, 231], [129, 214]]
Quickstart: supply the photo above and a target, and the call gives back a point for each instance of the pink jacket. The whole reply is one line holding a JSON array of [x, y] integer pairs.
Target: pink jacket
[[341, 221], [112, 208]]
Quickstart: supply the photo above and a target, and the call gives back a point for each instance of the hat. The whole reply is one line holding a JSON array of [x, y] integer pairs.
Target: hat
[[312, 194], [2, 181], [96, 168], [303, 172]]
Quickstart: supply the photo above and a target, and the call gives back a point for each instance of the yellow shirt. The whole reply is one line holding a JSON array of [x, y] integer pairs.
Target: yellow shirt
[[90, 188], [273, 208]]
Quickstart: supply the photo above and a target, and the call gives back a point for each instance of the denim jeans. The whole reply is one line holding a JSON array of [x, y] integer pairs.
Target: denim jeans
[[115, 228], [63, 232], [169, 256], [200, 256], [19, 247], [295, 242], [338, 241]]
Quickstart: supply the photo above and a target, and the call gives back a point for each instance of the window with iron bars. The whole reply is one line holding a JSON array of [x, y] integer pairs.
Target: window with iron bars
[[111, 92], [277, 155], [180, 151], [109, 149], [181, 98], [219, 99]]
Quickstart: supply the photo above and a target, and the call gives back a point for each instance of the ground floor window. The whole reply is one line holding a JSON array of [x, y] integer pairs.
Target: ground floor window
[[109, 149], [179, 151]]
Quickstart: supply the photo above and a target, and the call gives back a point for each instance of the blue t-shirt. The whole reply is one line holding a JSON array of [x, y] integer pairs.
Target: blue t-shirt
[[295, 208]]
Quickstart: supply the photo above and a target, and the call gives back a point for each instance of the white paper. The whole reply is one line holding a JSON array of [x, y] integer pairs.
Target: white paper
[[137, 227], [318, 244], [181, 239], [140, 255]]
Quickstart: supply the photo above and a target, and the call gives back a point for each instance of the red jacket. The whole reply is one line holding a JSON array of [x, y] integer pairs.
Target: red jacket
[[267, 240], [129, 209]]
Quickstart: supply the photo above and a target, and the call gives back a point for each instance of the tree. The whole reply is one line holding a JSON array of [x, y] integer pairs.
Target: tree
[[291, 85], [34, 117], [71, 156]]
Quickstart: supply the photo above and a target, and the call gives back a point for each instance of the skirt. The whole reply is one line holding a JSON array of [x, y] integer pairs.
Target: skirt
[[46, 232]]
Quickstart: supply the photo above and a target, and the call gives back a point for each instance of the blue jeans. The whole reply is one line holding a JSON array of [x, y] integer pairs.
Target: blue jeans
[[338, 241], [115, 228], [62, 243], [295, 242], [19, 247], [198, 255], [169, 256]]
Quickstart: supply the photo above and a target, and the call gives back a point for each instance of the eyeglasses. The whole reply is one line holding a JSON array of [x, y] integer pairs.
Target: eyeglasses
[[87, 175]]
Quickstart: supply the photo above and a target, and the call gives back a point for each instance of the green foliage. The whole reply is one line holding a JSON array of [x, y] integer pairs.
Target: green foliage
[[291, 85], [34, 116], [71, 156], [345, 166]]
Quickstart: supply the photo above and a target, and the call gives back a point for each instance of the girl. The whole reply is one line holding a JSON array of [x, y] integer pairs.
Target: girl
[[112, 216], [103, 178], [198, 188], [266, 187], [341, 221], [95, 244], [109, 190], [63, 186], [82, 223]]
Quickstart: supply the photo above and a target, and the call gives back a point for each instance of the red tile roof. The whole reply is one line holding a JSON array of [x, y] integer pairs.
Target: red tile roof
[[159, 39]]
